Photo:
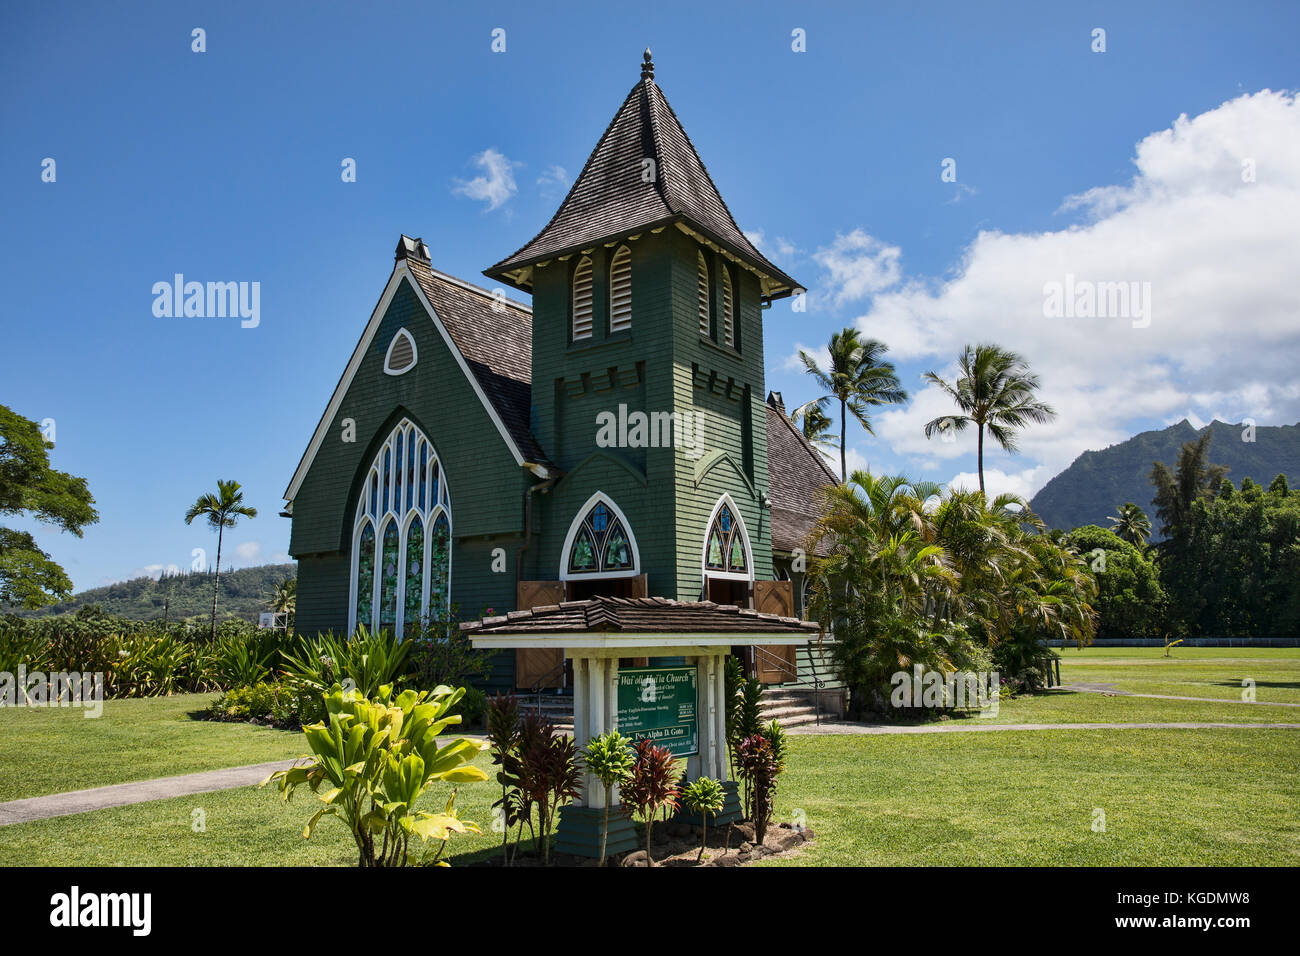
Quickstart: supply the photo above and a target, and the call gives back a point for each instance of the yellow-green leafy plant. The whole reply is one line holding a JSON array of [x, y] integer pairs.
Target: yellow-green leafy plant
[[609, 759], [704, 796], [374, 760]]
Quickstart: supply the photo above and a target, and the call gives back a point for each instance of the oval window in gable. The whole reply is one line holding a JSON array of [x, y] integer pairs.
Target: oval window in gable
[[401, 353]]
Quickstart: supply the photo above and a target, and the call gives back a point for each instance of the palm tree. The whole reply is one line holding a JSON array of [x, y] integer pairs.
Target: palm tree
[[222, 510], [1131, 524], [995, 391], [1193, 479], [284, 600], [811, 419], [858, 378]]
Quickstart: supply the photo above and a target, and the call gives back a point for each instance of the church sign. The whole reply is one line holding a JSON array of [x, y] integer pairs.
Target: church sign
[[659, 704]]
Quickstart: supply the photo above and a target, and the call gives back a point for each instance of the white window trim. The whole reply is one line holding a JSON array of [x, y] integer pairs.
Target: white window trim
[[576, 525], [708, 572], [388, 356]]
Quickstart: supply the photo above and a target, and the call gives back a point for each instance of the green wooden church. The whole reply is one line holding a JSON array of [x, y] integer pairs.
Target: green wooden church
[[614, 440]]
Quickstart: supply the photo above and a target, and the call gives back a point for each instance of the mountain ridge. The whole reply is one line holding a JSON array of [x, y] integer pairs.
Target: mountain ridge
[[1099, 481], [244, 593]]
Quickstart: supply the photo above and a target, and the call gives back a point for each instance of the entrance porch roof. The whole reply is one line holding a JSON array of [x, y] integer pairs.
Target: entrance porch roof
[[610, 622]]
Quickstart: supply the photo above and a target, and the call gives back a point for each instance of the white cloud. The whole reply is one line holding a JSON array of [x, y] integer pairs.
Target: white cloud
[[997, 481], [249, 552], [777, 248], [554, 182], [858, 265], [1219, 253], [496, 185]]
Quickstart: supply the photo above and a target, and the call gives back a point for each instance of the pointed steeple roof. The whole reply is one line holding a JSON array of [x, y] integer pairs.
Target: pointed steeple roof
[[643, 174]]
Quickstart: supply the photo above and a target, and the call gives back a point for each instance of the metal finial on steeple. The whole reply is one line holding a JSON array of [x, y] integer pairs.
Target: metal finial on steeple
[[647, 66]]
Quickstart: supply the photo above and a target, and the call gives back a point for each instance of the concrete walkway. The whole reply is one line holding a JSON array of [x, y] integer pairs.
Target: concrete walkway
[[977, 725], [1110, 689], [142, 791]]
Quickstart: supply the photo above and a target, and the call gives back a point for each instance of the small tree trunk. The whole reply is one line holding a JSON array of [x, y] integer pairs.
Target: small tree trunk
[[216, 582], [980, 455], [844, 474], [704, 840], [649, 821], [604, 832]]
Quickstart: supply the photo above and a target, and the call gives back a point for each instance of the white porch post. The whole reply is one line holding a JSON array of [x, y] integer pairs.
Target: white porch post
[[581, 678], [720, 714], [594, 717], [695, 764], [708, 717]]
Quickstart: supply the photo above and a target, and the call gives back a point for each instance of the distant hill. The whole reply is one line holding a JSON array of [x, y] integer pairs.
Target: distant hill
[[244, 594], [1100, 481]]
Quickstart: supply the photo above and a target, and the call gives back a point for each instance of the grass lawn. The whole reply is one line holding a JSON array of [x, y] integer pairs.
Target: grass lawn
[[1189, 672], [52, 750], [1171, 797]]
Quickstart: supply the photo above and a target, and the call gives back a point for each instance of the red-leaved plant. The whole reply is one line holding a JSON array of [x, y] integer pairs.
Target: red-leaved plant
[[759, 767], [651, 788]]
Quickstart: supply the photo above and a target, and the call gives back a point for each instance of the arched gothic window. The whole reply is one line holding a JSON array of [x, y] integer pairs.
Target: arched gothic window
[[620, 290], [728, 323], [582, 300], [599, 542], [400, 571], [702, 292], [726, 547]]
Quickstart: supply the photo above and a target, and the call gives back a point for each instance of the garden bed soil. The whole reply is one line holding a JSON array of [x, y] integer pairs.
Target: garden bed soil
[[678, 844]]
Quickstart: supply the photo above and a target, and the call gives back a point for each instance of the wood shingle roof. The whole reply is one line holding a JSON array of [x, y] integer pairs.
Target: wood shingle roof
[[650, 615], [796, 474], [496, 338], [644, 173]]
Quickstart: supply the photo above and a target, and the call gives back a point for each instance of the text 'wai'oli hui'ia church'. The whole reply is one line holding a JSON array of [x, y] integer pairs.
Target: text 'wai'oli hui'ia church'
[[614, 445]]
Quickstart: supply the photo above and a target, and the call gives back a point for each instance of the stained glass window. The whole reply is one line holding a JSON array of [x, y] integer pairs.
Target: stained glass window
[[725, 548], [388, 579], [412, 602], [424, 467], [390, 591], [365, 582], [439, 562], [601, 543]]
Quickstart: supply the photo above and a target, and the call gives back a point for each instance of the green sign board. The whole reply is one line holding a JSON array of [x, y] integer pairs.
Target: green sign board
[[658, 703]]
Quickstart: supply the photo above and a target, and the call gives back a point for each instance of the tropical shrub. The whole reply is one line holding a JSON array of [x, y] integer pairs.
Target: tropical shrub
[[915, 577], [440, 653], [706, 797], [472, 707], [551, 778], [504, 734], [650, 788], [743, 712], [376, 759], [237, 661], [367, 660], [759, 767], [609, 759], [281, 705]]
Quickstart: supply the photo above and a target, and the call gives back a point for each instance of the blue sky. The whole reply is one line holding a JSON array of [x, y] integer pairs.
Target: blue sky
[[225, 165]]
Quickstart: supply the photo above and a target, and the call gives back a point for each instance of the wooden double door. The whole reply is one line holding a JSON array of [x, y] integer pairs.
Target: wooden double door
[[545, 667]]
